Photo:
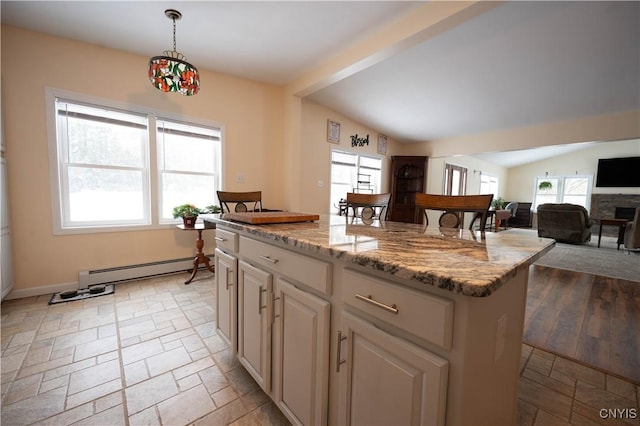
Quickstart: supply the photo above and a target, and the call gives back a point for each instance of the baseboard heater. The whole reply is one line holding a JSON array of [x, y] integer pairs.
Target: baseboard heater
[[131, 272]]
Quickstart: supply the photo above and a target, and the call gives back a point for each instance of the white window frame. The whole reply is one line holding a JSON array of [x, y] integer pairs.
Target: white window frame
[[152, 187], [560, 194], [493, 181], [377, 186]]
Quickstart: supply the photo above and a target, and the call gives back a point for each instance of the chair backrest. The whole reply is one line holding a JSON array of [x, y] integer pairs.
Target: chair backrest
[[513, 206], [368, 206], [244, 201], [456, 205]]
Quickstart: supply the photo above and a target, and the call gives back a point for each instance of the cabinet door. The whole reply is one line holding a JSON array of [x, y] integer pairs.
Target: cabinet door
[[301, 354], [226, 267], [387, 380], [255, 293]]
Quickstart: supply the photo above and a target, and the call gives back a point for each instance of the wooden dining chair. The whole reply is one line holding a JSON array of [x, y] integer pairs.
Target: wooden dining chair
[[368, 206], [241, 201], [454, 207]]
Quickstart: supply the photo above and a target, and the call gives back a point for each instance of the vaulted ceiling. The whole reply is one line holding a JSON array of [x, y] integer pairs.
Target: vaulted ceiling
[[516, 64]]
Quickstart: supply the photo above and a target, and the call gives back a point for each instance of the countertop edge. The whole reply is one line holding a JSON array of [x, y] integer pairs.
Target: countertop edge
[[395, 269]]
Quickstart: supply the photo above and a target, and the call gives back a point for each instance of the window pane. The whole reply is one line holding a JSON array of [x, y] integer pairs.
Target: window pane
[[342, 174], [576, 185], [100, 136], [105, 195], [179, 142], [374, 163], [576, 199], [554, 188], [182, 153], [92, 142], [177, 189], [343, 157], [489, 185]]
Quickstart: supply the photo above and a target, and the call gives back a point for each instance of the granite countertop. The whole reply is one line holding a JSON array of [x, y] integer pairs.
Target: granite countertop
[[461, 261]]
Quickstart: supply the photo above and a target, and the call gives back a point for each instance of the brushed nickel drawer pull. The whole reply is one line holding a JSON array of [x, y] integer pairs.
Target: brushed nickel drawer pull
[[268, 259], [340, 361], [260, 307], [369, 299], [274, 307], [222, 240]]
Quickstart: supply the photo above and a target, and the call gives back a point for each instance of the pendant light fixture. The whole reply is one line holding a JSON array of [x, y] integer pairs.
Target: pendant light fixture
[[171, 72]]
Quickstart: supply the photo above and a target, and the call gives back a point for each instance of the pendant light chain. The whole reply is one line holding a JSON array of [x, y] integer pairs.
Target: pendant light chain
[[174, 33]]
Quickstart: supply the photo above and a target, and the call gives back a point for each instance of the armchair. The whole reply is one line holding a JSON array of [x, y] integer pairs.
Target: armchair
[[565, 223]]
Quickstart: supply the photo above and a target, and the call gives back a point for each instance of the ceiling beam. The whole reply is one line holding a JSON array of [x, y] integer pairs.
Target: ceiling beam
[[422, 24]]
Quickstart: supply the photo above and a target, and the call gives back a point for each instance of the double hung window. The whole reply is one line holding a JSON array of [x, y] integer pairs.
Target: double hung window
[[573, 189], [114, 168]]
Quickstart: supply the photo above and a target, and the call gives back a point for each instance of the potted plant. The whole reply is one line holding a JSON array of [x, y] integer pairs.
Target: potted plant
[[498, 203], [545, 185], [212, 209], [189, 214]]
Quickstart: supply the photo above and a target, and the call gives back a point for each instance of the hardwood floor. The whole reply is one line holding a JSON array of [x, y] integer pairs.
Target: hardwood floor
[[592, 319]]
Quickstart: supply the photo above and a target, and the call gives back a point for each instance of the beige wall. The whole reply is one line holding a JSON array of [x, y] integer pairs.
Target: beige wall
[[273, 138], [521, 180], [316, 153], [251, 112]]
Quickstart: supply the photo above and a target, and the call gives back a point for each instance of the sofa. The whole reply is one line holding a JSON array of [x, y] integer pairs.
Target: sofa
[[565, 223]]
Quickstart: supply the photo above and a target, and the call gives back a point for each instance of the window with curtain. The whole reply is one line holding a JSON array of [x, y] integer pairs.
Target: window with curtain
[[114, 168], [353, 173]]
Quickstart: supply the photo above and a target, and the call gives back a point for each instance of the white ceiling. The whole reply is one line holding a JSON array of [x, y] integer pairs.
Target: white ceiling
[[519, 64]]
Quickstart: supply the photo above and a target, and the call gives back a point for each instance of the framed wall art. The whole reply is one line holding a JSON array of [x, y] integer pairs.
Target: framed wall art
[[382, 144], [333, 131]]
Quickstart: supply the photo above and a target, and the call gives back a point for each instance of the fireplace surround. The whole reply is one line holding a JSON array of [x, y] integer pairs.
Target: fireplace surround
[[613, 206]]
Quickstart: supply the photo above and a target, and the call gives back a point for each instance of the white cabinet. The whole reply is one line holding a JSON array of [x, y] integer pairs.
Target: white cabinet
[[301, 354], [385, 380], [255, 290], [226, 267], [332, 342]]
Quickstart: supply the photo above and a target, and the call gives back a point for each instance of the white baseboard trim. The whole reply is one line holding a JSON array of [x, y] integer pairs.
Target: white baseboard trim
[[39, 291], [57, 288], [130, 272]]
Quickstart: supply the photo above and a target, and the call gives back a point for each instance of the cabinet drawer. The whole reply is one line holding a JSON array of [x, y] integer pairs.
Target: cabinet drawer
[[311, 272], [227, 240], [423, 315]]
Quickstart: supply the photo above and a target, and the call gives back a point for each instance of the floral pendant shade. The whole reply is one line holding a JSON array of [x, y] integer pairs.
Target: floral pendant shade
[[171, 72]]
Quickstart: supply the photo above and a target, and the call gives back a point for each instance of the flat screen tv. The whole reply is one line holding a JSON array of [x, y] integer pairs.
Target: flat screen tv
[[618, 172]]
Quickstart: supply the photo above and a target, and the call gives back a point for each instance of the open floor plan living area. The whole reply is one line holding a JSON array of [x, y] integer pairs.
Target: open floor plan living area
[[372, 212]]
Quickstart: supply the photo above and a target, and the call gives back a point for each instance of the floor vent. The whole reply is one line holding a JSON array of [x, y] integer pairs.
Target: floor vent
[[126, 273]]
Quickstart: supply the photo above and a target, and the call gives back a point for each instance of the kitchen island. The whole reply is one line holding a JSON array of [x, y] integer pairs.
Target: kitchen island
[[376, 323]]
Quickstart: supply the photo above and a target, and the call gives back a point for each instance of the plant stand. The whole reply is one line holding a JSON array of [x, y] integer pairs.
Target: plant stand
[[200, 256]]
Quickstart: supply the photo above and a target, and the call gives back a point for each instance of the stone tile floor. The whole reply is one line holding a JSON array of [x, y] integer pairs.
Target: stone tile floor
[[149, 354]]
